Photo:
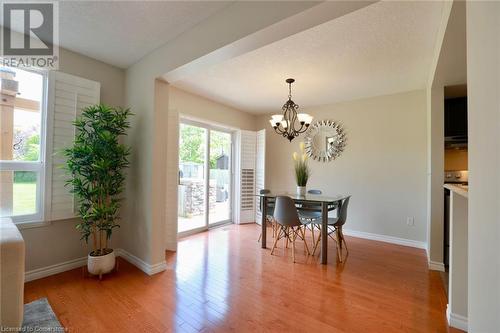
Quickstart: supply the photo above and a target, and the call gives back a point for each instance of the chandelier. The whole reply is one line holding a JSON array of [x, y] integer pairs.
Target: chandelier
[[286, 124]]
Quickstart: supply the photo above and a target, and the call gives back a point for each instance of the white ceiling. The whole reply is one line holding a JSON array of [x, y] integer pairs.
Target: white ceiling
[[381, 49], [121, 33]]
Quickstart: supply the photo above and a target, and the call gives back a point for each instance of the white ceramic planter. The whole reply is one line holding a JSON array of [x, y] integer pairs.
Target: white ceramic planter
[[101, 264], [301, 191]]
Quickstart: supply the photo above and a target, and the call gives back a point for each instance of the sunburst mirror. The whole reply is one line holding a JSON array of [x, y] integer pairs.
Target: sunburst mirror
[[325, 140]]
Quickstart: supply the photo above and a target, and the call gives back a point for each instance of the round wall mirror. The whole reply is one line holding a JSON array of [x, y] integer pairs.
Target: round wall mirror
[[325, 140]]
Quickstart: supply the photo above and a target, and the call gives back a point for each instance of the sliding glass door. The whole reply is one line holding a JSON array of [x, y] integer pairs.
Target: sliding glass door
[[205, 172], [192, 177], [220, 177]]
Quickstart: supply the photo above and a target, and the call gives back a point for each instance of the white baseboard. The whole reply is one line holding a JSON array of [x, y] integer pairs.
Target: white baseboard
[[386, 239], [54, 269], [157, 268], [141, 264], [436, 266], [433, 265], [42, 272], [456, 320]]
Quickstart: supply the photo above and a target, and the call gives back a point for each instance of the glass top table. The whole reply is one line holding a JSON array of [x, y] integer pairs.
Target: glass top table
[[327, 203], [314, 198]]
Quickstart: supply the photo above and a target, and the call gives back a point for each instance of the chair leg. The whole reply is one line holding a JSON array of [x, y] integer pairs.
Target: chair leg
[[343, 240], [312, 232], [317, 243], [303, 232], [288, 236], [339, 252], [294, 236], [275, 242], [339, 244], [260, 236]]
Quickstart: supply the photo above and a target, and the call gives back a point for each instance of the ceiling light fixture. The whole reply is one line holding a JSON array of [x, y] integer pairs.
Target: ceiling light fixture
[[285, 124]]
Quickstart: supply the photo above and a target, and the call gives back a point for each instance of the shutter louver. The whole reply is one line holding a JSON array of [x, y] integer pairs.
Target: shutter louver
[[247, 189], [68, 95], [247, 177]]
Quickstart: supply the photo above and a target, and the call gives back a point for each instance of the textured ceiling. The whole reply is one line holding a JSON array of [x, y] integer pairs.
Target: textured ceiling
[[381, 49], [122, 32]]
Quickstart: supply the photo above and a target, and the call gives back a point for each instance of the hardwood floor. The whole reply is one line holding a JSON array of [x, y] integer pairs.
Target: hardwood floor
[[222, 281]]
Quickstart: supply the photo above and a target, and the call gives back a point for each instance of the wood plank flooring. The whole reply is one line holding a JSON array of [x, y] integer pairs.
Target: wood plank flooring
[[222, 281]]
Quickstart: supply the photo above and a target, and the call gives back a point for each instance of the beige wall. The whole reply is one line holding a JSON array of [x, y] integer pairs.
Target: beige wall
[[450, 70], [455, 159], [137, 226], [197, 107], [383, 166], [60, 242], [435, 177], [112, 78], [483, 88]]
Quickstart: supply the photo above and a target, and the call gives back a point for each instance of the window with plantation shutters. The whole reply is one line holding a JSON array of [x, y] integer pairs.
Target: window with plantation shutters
[[68, 95]]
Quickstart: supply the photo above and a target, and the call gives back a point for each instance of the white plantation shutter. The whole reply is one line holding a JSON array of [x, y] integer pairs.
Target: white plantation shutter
[[68, 95], [246, 178], [260, 167]]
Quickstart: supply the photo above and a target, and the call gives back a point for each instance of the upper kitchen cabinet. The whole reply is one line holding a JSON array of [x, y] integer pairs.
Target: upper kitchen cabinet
[[455, 119]]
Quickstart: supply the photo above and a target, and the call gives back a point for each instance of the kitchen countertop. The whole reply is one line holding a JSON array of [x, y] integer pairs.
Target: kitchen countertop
[[463, 190]]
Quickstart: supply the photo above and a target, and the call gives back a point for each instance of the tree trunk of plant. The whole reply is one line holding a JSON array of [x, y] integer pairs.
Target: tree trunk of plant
[[103, 246], [100, 240], [94, 236]]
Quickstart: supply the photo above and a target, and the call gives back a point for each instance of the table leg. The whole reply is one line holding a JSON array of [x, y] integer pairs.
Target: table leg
[[324, 233], [264, 223]]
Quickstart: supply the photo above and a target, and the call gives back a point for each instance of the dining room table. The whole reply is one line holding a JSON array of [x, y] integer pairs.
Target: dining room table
[[327, 203]]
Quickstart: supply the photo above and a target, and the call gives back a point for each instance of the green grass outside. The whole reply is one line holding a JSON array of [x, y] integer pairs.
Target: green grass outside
[[24, 198]]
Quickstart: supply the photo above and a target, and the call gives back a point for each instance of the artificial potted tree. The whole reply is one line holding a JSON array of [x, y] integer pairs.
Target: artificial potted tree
[[96, 162]]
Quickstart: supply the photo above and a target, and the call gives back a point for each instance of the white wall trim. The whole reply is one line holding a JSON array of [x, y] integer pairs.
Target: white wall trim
[[141, 264], [456, 320], [386, 239], [436, 266], [157, 268], [42, 272]]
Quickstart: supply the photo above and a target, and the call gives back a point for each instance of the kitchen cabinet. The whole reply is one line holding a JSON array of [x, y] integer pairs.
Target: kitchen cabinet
[[455, 117]]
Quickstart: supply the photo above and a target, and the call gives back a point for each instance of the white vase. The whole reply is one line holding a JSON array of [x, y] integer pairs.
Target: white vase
[[99, 265], [301, 191]]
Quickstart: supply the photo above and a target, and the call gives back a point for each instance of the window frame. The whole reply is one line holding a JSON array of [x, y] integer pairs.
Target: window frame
[[40, 166]]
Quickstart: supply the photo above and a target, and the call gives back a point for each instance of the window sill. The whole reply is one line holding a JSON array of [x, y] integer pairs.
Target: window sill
[[31, 224]]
